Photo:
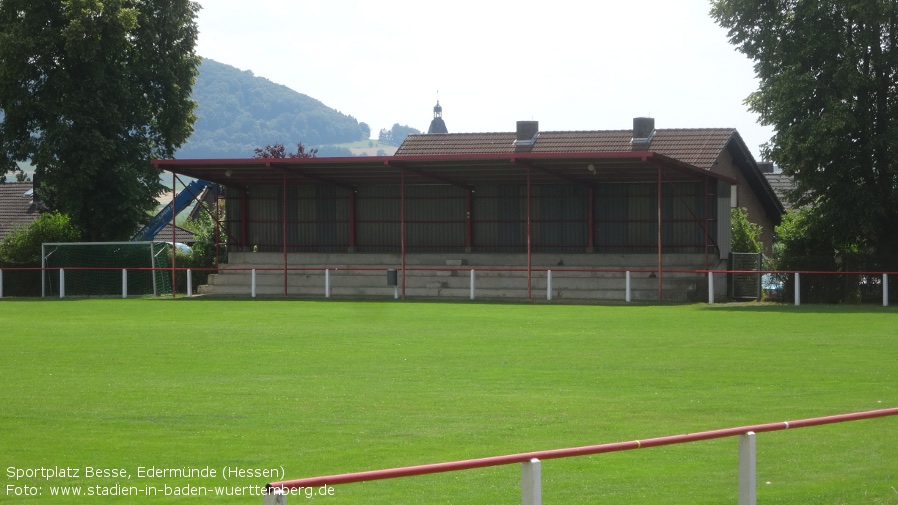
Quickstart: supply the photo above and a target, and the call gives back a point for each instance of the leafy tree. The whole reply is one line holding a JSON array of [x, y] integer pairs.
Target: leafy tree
[[92, 90], [827, 74], [22, 246], [279, 151], [746, 235]]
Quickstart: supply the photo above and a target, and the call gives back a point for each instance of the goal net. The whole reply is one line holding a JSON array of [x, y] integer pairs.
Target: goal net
[[95, 268]]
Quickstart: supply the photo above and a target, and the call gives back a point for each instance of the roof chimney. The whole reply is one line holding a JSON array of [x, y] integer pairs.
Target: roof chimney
[[766, 167], [527, 131], [643, 132]]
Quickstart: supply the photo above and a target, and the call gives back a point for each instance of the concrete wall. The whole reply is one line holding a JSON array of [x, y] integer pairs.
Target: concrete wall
[[497, 276]]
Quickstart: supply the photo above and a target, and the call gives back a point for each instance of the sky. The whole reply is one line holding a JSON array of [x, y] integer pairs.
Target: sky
[[569, 64]]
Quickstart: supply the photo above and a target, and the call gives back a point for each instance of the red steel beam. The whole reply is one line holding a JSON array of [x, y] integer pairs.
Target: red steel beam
[[529, 243], [660, 265], [284, 214], [467, 464]]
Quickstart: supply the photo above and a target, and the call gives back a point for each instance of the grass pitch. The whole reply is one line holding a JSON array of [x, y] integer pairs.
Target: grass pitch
[[319, 388]]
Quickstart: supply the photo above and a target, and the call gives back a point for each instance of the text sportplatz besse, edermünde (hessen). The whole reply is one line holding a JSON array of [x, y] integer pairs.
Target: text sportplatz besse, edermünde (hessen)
[[147, 481]]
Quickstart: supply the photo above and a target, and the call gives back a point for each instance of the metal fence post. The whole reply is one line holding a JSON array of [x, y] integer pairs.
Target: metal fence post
[[797, 288], [531, 483], [327, 282], [710, 287], [885, 289], [629, 297], [189, 282], [275, 497], [253, 282], [747, 469], [548, 284], [62, 283], [124, 283], [472, 283]]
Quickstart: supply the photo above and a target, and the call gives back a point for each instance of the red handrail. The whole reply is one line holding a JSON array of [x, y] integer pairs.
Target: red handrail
[[467, 464]]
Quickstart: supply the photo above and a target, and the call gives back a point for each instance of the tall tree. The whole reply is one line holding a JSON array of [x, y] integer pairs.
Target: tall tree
[[279, 151], [92, 90], [828, 71]]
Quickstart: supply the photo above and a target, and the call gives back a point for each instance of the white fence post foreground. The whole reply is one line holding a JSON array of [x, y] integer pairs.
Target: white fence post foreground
[[253, 281], [532, 483], [710, 287], [548, 285], [629, 298], [885, 289], [797, 288], [62, 283], [747, 469], [275, 497], [189, 282], [472, 283], [124, 283]]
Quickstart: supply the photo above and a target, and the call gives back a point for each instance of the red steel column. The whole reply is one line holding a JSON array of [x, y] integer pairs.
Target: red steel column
[[174, 249], [352, 221], [402, 226], [660, 266], [244, 203], [285, 232], [469, 213], [529, 246], [591, 220]]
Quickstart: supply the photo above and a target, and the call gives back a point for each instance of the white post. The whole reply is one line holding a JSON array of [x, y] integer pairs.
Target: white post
[[629, 297], [710, 287], [124, 283], [747, 469], [275, 497], [472, 283], [61, 283], [153, 266], [797, 288], [189, 282], [396, 292], [327, 282], [885, 289], [253, 283], [531, 483], [548, 284]]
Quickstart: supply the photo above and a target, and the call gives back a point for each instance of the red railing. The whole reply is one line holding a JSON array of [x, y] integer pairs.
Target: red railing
[[747, 457]]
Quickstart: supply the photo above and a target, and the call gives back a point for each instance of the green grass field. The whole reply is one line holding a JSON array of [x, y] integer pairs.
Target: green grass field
[[331, 387]]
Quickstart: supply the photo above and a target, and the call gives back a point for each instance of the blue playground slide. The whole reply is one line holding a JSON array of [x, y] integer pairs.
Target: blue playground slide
[[182, 200]]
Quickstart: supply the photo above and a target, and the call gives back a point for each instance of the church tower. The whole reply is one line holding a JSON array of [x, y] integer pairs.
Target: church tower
[[437, 125]]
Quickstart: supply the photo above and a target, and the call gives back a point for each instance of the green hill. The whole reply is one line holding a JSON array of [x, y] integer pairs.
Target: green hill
[[238, 111]]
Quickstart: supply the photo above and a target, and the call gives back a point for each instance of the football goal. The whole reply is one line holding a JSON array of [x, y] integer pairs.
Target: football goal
[[105, 268]]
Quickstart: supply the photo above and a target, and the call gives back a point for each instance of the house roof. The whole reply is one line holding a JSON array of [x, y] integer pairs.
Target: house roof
[[16, 209], [459, 170], [182, 235], [781, 184], [697, 147]]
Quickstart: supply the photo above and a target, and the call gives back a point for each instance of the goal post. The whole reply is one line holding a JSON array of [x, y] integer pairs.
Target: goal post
[[95, 268]]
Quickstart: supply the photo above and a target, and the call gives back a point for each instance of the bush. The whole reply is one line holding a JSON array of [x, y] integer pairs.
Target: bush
[[21, 248], [746, 236]]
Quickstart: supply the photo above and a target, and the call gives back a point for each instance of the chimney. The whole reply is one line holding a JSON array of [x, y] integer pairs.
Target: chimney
[[527, 131], [766, 167], [643, 131]]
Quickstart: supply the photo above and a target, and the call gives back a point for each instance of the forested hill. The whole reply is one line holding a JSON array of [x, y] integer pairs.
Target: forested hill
[[238, 111]]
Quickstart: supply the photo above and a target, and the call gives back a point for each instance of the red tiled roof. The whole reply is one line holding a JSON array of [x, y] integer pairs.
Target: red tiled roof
[[697, 147], [16, 209]]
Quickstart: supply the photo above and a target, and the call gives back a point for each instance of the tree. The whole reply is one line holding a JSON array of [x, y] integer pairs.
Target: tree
[[279, 151], [92, 90], [746, 236], [827, 74]]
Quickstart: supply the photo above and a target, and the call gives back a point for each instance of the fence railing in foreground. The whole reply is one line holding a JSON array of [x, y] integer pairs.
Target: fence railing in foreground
[[531, 483]]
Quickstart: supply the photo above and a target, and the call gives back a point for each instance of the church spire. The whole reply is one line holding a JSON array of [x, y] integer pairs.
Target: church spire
[[437, 125]]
